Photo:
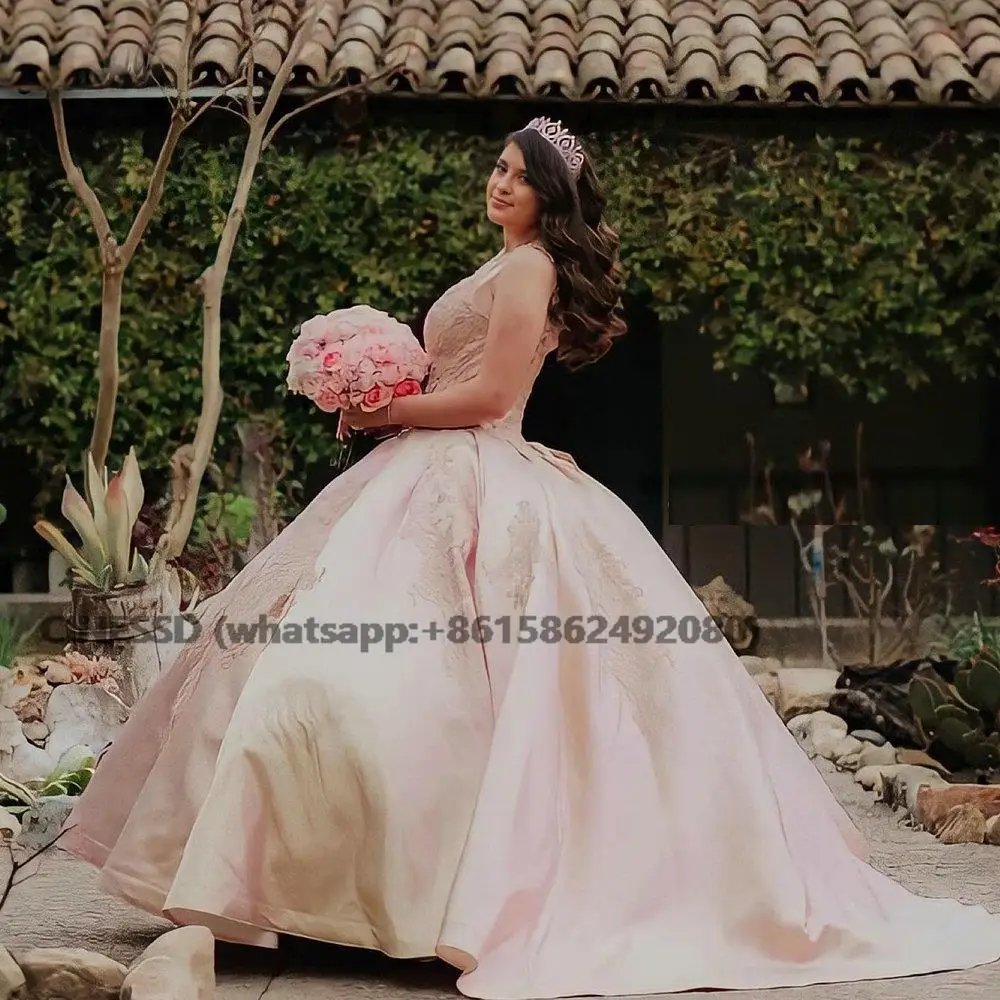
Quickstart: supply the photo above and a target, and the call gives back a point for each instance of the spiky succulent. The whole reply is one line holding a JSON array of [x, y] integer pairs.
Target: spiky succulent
[[104, 523]]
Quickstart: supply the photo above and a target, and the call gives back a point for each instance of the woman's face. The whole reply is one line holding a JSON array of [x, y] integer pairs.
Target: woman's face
[[511, 201]]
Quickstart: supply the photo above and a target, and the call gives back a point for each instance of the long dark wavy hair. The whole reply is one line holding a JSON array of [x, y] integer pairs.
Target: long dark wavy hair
[[586, 308]]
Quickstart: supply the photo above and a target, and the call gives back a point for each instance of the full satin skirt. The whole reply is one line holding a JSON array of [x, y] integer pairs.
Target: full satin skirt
[[602, 815]]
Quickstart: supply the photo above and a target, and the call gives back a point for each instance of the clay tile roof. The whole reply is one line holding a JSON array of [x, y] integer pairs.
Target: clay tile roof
[[773, 51]]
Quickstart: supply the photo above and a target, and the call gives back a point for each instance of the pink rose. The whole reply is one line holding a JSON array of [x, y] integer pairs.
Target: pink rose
[[312, 384], [364, 374], [316, 332], [375, 397], [355, 357], [390, 373], [365, 321], [328, 402], [408, 387]]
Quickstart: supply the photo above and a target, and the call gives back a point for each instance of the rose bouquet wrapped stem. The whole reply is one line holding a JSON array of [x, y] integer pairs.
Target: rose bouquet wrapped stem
[[356, 357]]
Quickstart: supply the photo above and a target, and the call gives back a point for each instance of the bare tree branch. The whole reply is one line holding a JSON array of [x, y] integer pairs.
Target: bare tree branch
[[183, 510], [111, 289], [77, 181], [154, 193], [115, 258], [323, 98], [217, 101], [302, 33], [246, 19]]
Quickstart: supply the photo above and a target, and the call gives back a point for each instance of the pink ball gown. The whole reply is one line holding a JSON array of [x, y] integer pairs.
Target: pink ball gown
[[553, 818]]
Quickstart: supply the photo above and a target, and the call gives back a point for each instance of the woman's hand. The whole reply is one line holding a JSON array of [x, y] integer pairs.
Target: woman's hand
[[356, 419]]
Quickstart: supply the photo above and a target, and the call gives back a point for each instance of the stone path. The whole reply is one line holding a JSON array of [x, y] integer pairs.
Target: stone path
[[60, 906]]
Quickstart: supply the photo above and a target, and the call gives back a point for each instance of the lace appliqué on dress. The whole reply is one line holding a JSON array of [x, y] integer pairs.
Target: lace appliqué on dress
[[455, 333], [442, 523], [516, 572], [641, 668]]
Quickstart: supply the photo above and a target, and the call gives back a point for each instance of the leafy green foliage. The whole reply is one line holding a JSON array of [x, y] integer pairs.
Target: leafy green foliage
[[863, 264], [970, 638], [71, 775], [226, 519], [14, 638]]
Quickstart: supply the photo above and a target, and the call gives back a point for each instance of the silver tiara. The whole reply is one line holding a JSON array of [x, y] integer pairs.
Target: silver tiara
[[566, 144]]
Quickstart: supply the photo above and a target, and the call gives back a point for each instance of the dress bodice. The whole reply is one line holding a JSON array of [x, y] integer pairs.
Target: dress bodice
[[455, 336]]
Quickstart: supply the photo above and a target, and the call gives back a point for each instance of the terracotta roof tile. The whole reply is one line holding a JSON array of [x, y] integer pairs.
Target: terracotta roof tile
[[826, 51]]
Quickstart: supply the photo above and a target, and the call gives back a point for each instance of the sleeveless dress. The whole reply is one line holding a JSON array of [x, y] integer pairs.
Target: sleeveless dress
[[620, 812]]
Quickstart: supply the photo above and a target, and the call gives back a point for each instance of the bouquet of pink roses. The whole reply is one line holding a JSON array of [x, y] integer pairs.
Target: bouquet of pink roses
[[356, 357]]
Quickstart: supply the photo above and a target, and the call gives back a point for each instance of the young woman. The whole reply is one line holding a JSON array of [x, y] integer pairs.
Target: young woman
[[526, 749]]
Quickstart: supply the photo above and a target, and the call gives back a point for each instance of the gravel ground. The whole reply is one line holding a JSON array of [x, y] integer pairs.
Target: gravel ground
[[61, 906]]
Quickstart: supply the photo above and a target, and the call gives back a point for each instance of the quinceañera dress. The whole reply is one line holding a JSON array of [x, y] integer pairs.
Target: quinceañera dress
[[553, 818]]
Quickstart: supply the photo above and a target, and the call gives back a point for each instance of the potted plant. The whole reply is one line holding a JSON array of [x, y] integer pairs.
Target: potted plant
[[116, 595]]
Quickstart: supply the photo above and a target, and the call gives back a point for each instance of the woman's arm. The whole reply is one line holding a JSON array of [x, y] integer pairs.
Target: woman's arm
[[521, 299]]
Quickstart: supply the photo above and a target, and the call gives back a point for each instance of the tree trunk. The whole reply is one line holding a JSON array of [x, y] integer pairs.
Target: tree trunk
[[182, 515], [107, 391], [257, 481]]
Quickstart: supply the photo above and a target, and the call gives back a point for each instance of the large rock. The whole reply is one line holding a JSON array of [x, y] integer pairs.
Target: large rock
[[874, 756], [11, 734], [875, 775], [815, 730], [69, 974], [920, 758], [82, 714], [28, 763], [761, 664], [12, 981], [10, 827], [734, 615], [32, 707], [805, 689], [768, 683], [846, 749], [42, 823], [963, 824], [898, 789], [13, 692], [19, 759], [992, 835], [933, 805], [179, 965]]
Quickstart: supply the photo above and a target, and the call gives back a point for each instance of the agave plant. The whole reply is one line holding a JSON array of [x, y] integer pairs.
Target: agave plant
[[104, 522]]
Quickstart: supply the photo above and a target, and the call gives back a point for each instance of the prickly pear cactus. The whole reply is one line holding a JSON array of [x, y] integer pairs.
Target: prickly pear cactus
[[978, 682], [964, 716]]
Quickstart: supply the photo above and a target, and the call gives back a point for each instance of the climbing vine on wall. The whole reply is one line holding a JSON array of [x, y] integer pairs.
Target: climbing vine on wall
[[869, 266]]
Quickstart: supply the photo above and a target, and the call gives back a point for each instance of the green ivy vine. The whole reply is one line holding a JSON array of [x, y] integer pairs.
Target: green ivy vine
[[869, 266]]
